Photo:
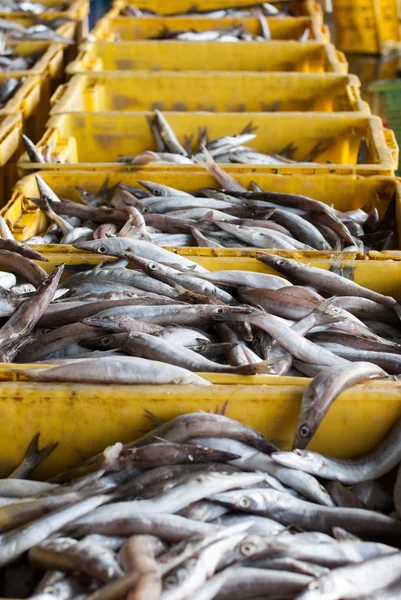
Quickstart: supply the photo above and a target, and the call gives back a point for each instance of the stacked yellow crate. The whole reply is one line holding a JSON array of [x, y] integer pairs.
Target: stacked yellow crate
[[29, 107], [293, 90]]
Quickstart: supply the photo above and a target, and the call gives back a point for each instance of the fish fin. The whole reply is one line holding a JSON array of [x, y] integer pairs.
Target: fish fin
[[222, 410], [154, 419], [82, 454], [249, 128]]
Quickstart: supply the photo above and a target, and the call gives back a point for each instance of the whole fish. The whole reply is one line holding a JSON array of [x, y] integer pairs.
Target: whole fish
[[119, 369]]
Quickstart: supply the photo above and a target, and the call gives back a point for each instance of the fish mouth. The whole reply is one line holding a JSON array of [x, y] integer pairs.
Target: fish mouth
[[82, 245]]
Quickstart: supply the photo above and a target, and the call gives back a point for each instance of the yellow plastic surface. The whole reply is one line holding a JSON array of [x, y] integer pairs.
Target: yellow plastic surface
[[305, 57], [25, 102], [10, 150], [366, 26], [345, 193], [84, 418], [215, 92], [96, 140], [298, 8], [78, 10], [132, 28]]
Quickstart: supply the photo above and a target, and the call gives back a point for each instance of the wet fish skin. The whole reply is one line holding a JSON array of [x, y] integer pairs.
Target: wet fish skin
[[119, 369], [325, 281], [57, 339], [22, 249], [21, 539], [252, 582], [28, 314], [120, 246], [289, 510], [354, 580], [68, 554], [22, 266]]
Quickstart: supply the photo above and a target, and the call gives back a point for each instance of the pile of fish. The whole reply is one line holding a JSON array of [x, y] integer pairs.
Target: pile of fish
[[226, 149], [171, 318], [232, 218], [204, 507], [11, 60], [265, 8], [42, 31], [232, 33], [11, 6]]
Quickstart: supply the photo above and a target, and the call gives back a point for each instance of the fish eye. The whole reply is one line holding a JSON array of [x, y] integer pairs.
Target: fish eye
[[102, 249], [156, 192], [153, 266], [199, 348], [170, 581], [220, 311], [145, 210], [280, 262], [304, 430], [106, 341], [244, 502], [247, 548]]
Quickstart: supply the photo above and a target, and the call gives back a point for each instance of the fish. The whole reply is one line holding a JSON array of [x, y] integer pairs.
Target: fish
[[119, 369], [323, 390]]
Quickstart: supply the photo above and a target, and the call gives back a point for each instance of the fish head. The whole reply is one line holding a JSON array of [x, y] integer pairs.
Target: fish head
[[309, 418], [251, 547], [279, 263], [150, 267], [248, 500], [155, 188], [112, 246], [107, 342], [304, 460]]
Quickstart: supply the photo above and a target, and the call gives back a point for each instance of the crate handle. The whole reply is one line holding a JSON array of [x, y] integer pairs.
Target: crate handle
[[342, 60], [391, 144], [58, 94]]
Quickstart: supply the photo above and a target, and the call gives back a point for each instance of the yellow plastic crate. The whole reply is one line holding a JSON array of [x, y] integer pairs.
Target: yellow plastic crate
[[366, 26], [49, 69], [132, 28], [354, 425], [26, 219], [93, 141], [10, 150], [78, 10], [305, 57], [215, 92], [298, 8], [25, 102]]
